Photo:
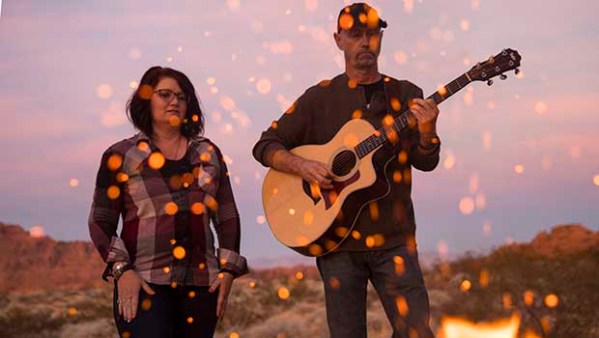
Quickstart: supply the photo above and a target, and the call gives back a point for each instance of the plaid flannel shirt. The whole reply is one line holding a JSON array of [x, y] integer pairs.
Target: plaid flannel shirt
[[166, 230]]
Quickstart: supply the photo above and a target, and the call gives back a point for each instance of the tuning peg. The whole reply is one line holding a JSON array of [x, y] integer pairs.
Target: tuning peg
[[517, 71], [503, 76], [490, 82]]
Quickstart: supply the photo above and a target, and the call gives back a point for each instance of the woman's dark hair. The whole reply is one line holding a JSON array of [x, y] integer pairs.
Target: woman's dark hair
[[140, 112]]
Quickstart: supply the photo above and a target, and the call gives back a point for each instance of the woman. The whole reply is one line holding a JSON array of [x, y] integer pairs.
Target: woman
[[167, 183]]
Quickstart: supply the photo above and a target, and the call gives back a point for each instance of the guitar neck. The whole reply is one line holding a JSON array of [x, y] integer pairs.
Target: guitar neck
[[399, 123]]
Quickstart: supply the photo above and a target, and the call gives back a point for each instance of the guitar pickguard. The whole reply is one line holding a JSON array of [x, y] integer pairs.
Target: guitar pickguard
[[329, 195]]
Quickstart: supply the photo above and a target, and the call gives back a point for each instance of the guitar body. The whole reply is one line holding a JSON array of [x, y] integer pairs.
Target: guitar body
[[312, 221]]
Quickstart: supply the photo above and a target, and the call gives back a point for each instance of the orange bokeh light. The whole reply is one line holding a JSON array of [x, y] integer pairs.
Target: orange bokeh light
[[283, 293]]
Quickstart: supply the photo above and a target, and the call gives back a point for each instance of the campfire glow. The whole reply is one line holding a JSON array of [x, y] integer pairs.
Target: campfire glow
[[462, 328]]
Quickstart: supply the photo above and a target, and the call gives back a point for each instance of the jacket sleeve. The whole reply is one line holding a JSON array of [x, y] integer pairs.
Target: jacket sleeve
[[284, 133], [227, 222], [424, 157], [106, 209]]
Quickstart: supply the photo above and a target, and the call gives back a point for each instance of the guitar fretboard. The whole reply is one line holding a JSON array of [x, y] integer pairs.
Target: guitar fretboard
[[382, 135]]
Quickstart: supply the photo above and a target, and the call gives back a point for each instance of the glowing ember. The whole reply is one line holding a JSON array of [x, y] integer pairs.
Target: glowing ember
[[487, 139], [518, 169], [487, 228], [334, 282], [146, 304], [596, 180], [171, 208], [402, 306], [72, 311], [400, 57], [37, 231], [299, 275], [551, 300], [133, 84], [211, 203], [374, 210], [395, 105], [481, 201], [443, 250], [315, 250], [104, 91], [346, 21], [466, 285], [283, 293], [156, 160], [197, 208], [575, 152], [73, 182], [468, 98], [281, 47], [113, 192], [474, 183], [227, 103], [261, 219], [308, 218], [441, 90], [484, 278], [467, 205], [174, 121], [541, 107], [377, 240], [134, 54], [465, 25], [397, 176], [529, 298], [179, 252], [234, 335], [263, 86], [408, 5], [369, 241], [449, 161], [114, 162]]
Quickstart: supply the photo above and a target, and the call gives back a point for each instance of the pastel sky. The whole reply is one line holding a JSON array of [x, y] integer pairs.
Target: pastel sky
[[518, 157]]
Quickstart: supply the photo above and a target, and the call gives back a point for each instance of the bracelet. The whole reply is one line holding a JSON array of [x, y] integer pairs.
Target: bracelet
[[118, 272]]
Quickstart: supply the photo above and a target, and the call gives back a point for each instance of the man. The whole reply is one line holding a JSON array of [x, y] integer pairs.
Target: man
[[382, 246]]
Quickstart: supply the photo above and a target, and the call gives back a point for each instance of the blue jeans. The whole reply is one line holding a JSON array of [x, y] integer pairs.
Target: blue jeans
[[397, 278], [165, 314]]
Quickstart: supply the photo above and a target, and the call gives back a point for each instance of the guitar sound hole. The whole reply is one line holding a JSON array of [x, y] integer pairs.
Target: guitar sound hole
[[343, 163]]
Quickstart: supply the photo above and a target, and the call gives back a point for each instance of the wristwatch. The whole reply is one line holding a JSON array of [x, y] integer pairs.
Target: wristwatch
[[119, 267]]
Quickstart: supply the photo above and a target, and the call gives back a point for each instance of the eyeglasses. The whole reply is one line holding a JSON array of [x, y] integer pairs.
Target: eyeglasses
[[168, 95]]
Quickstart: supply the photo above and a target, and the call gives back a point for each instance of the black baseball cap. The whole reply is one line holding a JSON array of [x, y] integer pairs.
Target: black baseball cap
[[359, 15]]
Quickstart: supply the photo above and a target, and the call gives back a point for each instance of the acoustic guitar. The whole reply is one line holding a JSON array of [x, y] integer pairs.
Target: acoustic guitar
[[314, 221]]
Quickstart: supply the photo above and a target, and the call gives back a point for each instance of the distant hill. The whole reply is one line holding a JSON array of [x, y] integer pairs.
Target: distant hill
[[29, 264], [64, 275]]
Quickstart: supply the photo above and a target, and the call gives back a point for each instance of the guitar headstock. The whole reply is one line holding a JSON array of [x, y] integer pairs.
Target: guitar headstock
[[506, 60]]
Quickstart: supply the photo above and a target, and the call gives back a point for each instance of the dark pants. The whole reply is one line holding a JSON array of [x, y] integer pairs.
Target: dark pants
[[167, 313], [397, 278]]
